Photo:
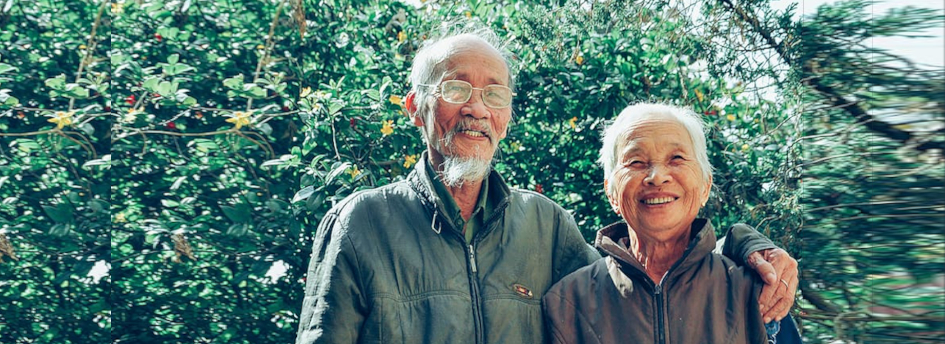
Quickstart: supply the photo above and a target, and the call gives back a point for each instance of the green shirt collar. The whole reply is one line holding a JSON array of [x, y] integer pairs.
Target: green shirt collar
[[450, 209]]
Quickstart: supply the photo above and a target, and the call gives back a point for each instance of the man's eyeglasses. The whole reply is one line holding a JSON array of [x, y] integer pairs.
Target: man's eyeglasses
[[459, 92]]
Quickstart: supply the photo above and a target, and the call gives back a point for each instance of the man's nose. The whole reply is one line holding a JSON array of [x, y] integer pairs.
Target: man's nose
[[475, 106]]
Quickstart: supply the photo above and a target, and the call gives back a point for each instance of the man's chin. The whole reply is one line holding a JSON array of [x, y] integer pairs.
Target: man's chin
[[456, 171]]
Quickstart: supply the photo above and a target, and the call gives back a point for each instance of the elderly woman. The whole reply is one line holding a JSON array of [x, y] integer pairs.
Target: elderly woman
[[659, 281]]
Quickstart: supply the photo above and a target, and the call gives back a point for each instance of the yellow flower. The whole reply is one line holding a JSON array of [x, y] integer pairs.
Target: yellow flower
[[388, 127], [572, 122], [119, 218], [305, 92], [516, 146], [731, 118], [468, 14], [699, 94], [579, 60], [401, 36], [354, 171], [82, 47], [260, 47], [61, 119], [409, 160], [239, 119], [130, 117], [745, 147], [395, 100], [117, 8]]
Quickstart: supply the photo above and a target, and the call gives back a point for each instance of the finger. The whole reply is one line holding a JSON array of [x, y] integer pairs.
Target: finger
[[768, 298], [763, 268], [780, 309]]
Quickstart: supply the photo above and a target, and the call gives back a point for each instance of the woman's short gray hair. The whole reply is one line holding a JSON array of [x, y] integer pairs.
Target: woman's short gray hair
[[430, 62], [632, 114]]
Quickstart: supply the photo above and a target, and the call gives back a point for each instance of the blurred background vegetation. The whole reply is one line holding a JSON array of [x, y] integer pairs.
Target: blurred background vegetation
[[163, 163]]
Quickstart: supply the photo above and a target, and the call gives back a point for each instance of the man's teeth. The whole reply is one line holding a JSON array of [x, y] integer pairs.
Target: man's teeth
[[473, 133], [660, 200]]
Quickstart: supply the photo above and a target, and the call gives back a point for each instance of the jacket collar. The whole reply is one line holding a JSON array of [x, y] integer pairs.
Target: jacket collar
[[614, 239], [420, 181]]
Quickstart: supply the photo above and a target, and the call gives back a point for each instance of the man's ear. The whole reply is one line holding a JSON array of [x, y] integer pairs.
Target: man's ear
[[610, 197], [411, 105]]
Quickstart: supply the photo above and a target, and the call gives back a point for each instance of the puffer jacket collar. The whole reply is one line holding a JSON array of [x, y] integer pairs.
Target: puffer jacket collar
[[614, 239], [420, 182]]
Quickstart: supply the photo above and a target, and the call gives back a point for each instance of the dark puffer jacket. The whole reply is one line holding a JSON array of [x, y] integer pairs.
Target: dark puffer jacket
[[703, 298]]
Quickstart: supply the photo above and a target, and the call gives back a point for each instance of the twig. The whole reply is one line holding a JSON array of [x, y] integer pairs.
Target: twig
[[265, 56], [89, 48]]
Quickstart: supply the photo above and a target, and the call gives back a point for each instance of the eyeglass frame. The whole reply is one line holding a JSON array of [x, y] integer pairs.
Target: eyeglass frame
[[438, 93]]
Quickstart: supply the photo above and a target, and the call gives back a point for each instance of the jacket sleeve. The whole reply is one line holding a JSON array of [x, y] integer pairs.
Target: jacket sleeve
[[334, 306], [572, 252], [559, 317], [741, 240]]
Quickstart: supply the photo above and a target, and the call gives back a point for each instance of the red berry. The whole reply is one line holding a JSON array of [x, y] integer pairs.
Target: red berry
[[352, 122], [538, 188], [130, 100], [108, 109], [170, 125], [285, 109], [158, 37]]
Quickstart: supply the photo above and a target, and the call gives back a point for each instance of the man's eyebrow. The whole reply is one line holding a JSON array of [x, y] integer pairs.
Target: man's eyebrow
[[453, 75]]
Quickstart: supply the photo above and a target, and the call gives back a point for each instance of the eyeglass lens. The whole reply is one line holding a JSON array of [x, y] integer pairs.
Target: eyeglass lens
[[458, 92]]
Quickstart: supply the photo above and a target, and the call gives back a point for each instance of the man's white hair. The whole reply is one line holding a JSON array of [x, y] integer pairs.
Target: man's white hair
[[615, 133]]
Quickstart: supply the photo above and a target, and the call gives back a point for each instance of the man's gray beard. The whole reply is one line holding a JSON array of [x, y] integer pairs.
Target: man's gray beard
[[458, 170]]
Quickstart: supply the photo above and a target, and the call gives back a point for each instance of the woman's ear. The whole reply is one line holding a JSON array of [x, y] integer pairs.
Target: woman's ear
[[707, 191], [610, 197], [411, 106]]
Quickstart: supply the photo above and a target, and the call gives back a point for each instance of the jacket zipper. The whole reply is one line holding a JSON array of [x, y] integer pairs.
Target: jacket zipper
[[476, 298], [660, 331]]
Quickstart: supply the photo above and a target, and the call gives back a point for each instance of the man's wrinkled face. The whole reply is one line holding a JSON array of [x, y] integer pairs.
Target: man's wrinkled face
[[463, 138], [657, 184], [471, 130]]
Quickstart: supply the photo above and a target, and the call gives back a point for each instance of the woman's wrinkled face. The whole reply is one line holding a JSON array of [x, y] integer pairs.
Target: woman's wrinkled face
[[657, 184]]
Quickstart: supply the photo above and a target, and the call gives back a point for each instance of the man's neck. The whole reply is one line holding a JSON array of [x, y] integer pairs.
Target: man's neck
[[466, 197]]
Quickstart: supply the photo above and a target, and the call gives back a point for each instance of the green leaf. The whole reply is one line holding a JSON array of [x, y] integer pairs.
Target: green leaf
[[239, 213], [57, 83], [60, 213], [338, 169], [235, 83], [4, 68], [303, 194]]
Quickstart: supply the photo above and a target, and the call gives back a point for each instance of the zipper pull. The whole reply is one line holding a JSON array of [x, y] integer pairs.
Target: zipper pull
[[659, 289], [472, 258]]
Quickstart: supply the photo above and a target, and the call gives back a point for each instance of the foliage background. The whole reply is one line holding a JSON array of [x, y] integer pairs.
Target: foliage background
[[163, 162]]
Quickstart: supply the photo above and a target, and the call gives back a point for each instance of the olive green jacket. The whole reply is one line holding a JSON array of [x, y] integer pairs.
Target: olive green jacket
[[388, 267]]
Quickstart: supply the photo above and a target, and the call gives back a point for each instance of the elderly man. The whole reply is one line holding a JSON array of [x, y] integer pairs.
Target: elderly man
[[452, 254]]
